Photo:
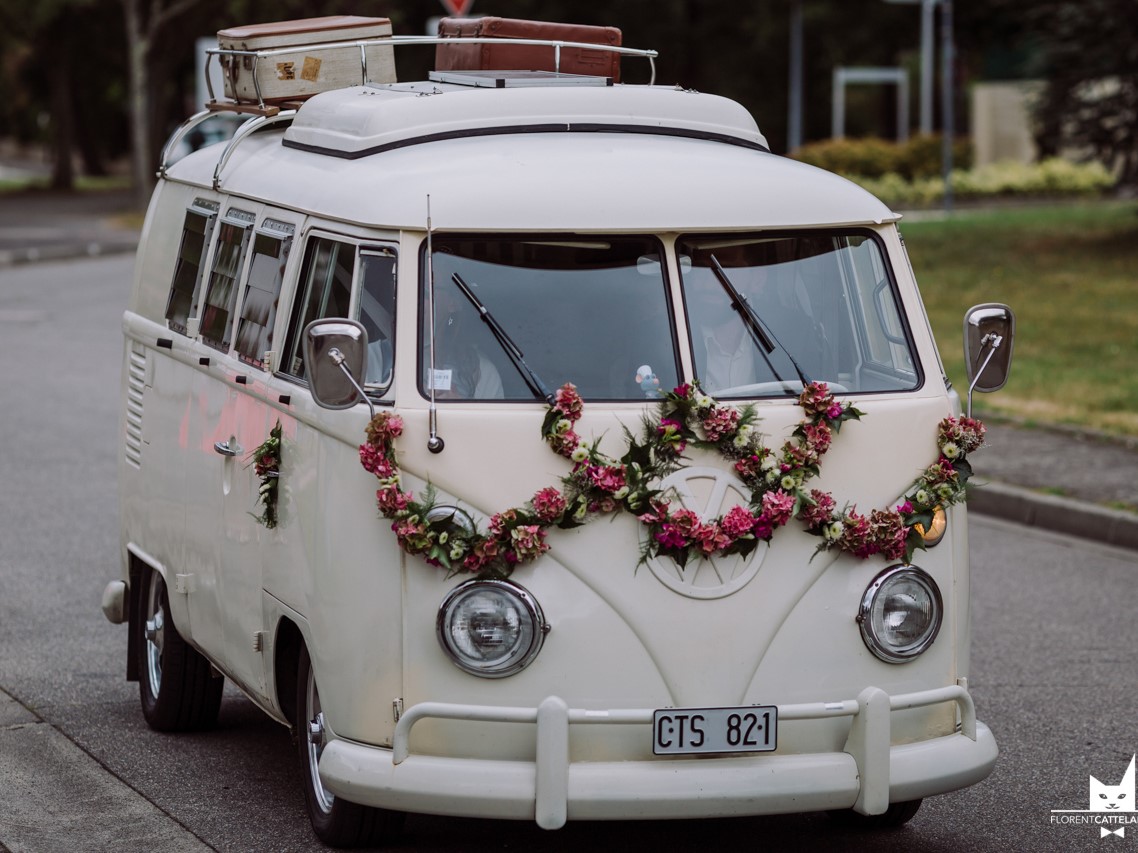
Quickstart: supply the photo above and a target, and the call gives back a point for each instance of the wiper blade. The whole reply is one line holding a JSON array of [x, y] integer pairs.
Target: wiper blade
[[505, 342], [763, 337]]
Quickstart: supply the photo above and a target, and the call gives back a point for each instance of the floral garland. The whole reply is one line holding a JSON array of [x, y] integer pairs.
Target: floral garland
[[266, 461], [599, 485]]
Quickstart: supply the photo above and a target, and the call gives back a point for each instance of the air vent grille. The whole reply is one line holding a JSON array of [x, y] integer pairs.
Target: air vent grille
[[135, 386]]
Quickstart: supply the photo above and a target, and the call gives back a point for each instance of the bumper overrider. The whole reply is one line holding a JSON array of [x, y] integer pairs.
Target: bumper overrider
[[866, 775]]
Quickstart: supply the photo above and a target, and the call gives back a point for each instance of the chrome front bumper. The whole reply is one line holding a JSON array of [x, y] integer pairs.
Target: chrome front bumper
[[867, 775]]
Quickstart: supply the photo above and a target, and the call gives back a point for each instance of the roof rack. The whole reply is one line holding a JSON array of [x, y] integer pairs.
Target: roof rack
[[254, 56], [258, 122], [265, 115]]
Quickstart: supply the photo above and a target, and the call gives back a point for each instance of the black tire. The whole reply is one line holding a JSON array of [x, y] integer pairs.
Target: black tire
[[177, 686], [898, 814], [335, 821]]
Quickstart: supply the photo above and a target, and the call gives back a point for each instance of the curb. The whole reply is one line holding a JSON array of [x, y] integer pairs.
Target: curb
[[1060, 515], [35, 254]]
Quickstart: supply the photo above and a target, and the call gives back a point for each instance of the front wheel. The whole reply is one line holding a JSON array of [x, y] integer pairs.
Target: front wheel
[[335, 821], [177, 686]]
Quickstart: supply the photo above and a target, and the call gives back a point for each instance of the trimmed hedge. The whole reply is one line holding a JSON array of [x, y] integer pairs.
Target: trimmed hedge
[[910, 173], [1054, 177], [871, 157]]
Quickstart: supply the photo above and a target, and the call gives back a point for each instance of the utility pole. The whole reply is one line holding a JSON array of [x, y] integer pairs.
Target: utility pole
[[794, 111], [948, 133]]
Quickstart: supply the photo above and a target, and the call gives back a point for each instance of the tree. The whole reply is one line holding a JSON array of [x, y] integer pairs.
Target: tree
[[48, 38], [1090, 102]]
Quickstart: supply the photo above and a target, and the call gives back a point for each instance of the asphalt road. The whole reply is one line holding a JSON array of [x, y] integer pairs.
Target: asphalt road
[[1053, 674]]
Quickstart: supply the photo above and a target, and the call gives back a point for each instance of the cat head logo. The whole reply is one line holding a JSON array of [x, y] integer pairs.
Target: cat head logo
[[1114, 798]]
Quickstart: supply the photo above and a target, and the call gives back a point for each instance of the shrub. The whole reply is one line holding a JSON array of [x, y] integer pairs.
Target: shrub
[[871, 157], [1050, 177]]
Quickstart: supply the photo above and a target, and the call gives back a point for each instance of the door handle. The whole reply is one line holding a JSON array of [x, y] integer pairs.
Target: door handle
[[224, 448]]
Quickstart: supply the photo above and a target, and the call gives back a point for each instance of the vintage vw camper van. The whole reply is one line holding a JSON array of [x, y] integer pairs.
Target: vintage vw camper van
[[544, 448]]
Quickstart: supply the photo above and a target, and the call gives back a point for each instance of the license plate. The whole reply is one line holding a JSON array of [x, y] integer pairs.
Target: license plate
[[684, 731]]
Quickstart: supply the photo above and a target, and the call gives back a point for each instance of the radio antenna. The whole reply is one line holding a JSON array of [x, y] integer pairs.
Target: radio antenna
[[434, 443]]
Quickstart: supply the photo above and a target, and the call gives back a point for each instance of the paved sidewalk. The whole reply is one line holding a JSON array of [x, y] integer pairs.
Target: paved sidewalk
[[1064, 480]]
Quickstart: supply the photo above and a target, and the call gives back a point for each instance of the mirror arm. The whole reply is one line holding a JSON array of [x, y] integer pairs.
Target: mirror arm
[[993, 341], [338, 358]]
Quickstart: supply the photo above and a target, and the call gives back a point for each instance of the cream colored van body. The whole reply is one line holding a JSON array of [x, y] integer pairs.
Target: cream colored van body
[[571, 735]]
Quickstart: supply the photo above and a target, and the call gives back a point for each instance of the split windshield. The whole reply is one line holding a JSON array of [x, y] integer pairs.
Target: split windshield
[[764, 313], [582, 310]]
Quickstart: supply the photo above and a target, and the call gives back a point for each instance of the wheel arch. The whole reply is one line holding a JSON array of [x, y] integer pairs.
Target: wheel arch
[[286, 655]]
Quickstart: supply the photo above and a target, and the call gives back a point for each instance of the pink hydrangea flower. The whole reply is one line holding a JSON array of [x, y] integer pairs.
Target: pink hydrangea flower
[[549, 504], [738, 522], [778, 507]]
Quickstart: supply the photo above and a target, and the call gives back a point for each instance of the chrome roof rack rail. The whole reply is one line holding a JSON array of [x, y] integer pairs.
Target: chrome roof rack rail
[[399, 41], [249, 127], [265, 115]]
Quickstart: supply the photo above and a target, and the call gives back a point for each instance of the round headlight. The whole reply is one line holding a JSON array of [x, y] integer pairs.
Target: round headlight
[[900, 613], [491, 628]]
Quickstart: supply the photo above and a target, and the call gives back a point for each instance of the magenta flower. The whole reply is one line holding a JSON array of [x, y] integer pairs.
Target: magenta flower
[[671, 538], [607, 478], [568, 401], [778, 507], [738, 522], [549, 504]]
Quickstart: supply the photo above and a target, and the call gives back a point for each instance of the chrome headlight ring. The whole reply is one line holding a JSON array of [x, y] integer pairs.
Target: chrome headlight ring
[[491, 628], [900, 613]]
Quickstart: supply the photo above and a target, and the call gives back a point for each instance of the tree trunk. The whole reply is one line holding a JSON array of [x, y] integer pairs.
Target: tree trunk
[[142, 156], [62, 123]]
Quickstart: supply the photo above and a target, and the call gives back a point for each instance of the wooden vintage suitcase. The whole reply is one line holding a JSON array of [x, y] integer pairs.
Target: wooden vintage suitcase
[[526, 57], [300, 74]]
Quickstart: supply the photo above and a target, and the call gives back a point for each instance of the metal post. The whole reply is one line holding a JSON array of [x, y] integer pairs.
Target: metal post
[[948, 132], [838, 113], [794, 116], [928, 15]]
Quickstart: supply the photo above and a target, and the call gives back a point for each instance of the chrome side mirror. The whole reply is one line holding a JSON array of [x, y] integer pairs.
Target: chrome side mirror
[[335, 353], [989, 331]]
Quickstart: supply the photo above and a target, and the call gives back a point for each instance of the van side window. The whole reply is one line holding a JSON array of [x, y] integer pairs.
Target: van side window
[[196, 232], [221, 295], [324, 290], [377, 313], [271, 247]]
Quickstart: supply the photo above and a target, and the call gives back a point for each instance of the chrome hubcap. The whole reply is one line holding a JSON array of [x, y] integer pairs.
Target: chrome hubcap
[[155, 634], [316, 743]]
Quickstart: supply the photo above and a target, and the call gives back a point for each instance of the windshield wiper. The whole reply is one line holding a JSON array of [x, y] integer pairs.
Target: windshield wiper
[[508, 346], [763, 337]]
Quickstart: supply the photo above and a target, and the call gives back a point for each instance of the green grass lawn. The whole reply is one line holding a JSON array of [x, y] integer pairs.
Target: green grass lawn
[[1070, 273]]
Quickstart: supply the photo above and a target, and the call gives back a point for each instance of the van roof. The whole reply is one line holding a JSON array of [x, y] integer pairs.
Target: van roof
[[369, 119], [550, 158]]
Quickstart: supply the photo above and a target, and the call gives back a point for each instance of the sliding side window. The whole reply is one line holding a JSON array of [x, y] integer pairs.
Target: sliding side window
[[221, 295], [271, 245], [196, 232]]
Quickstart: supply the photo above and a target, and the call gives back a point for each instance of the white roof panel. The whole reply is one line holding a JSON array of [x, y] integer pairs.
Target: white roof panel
[[573, 162]]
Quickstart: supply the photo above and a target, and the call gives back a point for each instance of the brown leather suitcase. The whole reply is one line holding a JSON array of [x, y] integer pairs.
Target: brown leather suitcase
[[526, 57]]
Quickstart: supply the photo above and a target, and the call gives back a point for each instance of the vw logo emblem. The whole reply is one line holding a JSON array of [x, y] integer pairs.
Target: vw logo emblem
[[708, 492]]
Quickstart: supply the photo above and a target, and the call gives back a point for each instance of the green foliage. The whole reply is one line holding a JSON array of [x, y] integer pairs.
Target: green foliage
[[1067, 270], [1052, 177], [870, 157], [1090, 66]]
